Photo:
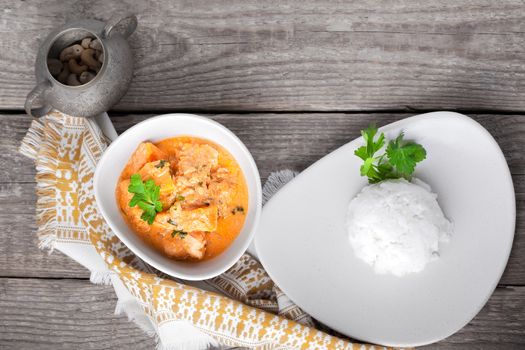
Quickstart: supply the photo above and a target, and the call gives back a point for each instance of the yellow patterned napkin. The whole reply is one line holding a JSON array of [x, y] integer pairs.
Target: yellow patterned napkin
[[242, 307]]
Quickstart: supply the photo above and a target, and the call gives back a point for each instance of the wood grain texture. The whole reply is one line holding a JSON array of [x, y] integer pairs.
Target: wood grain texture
[[277, 141], [74, 314], [248, 55], [15, 167], [64, 314]]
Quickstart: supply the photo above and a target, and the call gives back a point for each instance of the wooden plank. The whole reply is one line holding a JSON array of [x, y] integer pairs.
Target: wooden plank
[[308, 55], [14, 166], [20, 255], [499, 325], [277, 141], [49, 314], [66, 314]]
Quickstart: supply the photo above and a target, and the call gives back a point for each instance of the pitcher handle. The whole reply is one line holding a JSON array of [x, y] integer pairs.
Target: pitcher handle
[[37, 92], [116, 20]]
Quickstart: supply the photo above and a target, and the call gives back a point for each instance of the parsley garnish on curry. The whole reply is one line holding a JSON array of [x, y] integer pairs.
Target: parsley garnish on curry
[[185, 196]]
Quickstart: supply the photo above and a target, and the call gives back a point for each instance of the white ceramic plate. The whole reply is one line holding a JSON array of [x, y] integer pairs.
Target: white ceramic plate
[[302, 241], [155, 129]]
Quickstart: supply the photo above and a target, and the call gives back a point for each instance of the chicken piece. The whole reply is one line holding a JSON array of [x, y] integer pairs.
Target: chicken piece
[[176, 242], [194, 165], [159, 171], [183, 232], [146, 152], [221, 190], [189, 246], [162, 225], [223, 174], [200, 219], [197, 159], [195, 194], [132, 213]]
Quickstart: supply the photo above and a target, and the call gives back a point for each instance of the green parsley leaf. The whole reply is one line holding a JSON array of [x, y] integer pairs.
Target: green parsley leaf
[[367, 168], [181, 233], [161, 164], [136, 199], [136, 185], [372, 146], [237, 209], [179, 198], [405, 155], [361, 152], [146, 196], [399, 161], [385, 171], [148, 216]]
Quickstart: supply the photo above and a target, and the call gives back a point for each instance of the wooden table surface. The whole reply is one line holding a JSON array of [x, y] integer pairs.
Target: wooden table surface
[[295, 80]]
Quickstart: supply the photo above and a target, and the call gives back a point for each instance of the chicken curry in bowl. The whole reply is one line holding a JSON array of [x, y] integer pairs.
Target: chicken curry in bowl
[[185, 196]]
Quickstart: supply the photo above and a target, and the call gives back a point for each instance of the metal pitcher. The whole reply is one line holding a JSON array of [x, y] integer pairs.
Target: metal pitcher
[[108, 86]]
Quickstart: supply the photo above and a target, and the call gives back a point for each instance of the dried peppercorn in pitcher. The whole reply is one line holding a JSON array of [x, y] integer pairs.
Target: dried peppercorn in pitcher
[[185, 196]]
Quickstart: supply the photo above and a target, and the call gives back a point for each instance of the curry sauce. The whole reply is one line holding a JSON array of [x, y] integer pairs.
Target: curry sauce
[[201, 197]]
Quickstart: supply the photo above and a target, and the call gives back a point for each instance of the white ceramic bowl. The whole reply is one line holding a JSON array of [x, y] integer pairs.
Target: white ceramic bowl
[[155, 129]]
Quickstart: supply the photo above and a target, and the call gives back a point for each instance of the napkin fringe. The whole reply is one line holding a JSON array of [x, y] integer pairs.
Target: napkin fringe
[[46, 166], [276, 180], [40, 144], [101, 277], [46, 212], [136, 314], [46, 239], [46, 215], [30, 143]]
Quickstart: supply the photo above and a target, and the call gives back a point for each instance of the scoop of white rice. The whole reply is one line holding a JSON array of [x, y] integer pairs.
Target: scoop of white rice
[[396, 226]]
